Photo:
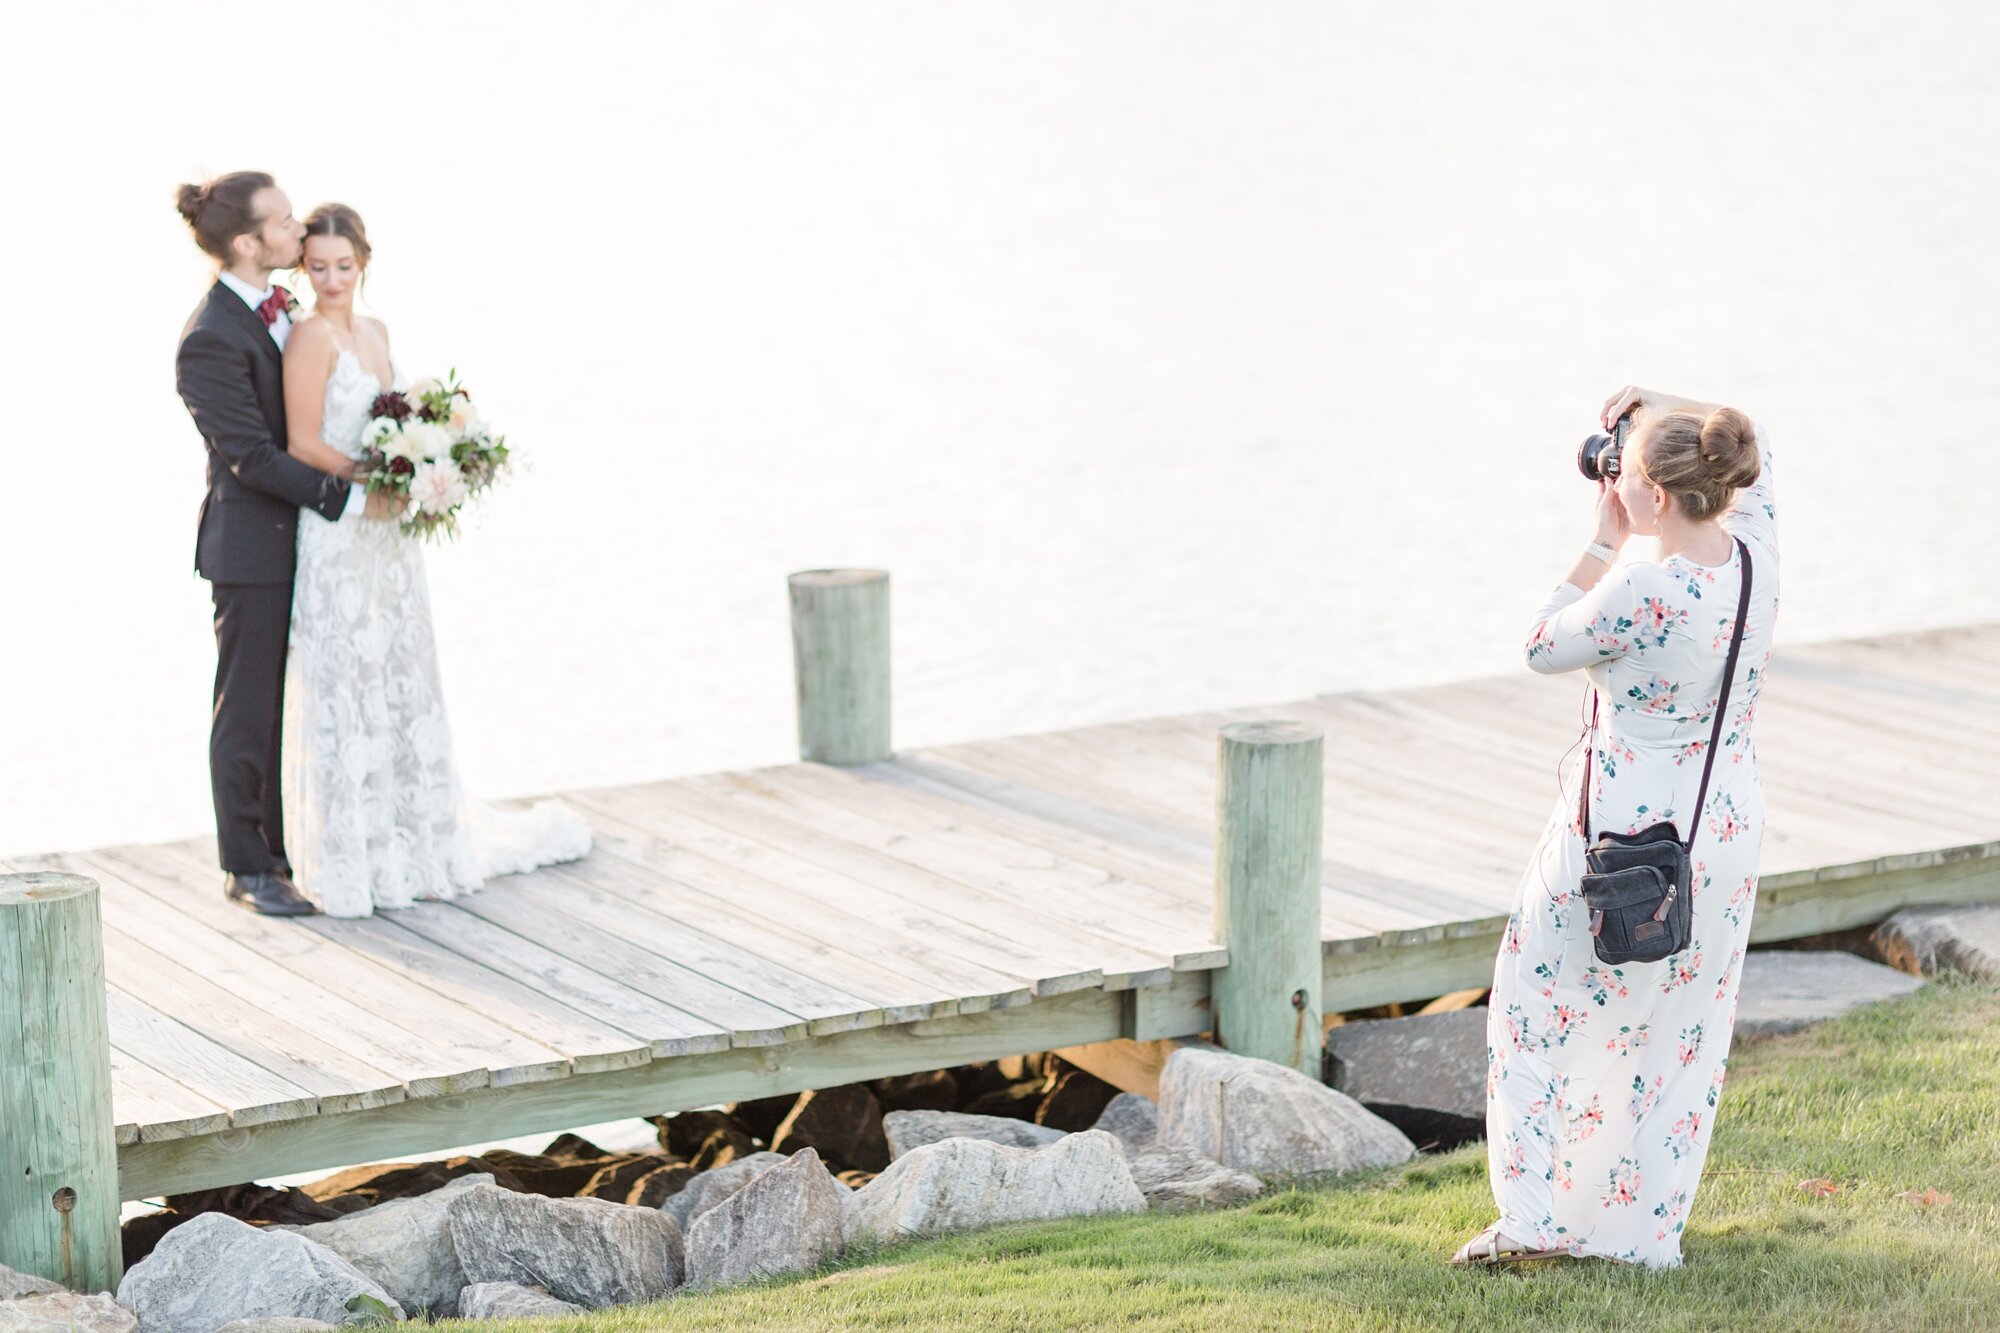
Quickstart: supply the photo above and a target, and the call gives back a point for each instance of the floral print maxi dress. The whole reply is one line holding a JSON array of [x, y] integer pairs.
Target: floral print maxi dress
[[1602, 1082]]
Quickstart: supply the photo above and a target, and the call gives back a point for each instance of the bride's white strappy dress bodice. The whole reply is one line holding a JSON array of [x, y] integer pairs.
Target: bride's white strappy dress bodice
[[374, 812]]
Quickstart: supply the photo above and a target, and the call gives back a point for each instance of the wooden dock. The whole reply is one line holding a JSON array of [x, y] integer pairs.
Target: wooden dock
[[745, 934]]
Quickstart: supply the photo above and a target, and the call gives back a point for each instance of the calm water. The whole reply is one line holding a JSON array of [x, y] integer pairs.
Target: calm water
[[1169, 354]]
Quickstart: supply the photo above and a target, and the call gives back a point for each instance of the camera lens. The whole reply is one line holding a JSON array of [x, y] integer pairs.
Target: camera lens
[[1598, 458]]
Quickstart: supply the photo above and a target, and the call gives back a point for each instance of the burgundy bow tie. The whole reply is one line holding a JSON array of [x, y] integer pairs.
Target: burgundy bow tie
[[279, 302]]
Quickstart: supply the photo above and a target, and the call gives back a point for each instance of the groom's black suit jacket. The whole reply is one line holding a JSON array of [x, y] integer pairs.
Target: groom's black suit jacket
[[230, 374]]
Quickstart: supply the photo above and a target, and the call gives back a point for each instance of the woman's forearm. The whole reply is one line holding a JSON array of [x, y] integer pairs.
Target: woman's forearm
[[318, 453]]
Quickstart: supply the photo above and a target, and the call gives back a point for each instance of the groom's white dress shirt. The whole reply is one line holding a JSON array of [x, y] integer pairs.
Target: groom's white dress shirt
[[281, 329]]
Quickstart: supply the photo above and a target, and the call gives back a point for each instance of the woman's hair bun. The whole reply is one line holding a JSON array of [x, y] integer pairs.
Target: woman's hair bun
[[1729, 447], [188, 199]]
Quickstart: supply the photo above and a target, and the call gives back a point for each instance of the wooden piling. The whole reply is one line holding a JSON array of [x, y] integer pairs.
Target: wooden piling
[[59, 1192], [1266, 1002], [840, 649]]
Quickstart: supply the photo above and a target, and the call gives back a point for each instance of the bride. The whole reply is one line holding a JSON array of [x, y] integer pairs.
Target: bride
[[375, 816]]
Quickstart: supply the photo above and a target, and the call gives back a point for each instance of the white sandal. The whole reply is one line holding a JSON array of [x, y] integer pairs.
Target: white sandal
[[1486, 1250]]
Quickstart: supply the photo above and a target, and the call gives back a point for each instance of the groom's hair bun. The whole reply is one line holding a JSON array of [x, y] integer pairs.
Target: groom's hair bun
[[340, 220], [220, 210]]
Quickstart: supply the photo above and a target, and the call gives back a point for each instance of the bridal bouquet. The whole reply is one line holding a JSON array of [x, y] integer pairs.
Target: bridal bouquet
[[427, 445]]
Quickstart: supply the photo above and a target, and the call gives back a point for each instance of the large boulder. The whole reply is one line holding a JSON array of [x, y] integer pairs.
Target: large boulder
[[1787, 989], [510, 1300], [1424, 1074], [712, 1187], [789, 1219], [1134, 1120], [62, 1311], [1176, 1180], [278, 1324], [959, 1183], [212, 1269], [405, 1246], [1930, 940], [1267, 1118], [905, 1130], [585, 1251], [15, 1284], [843, 1123]]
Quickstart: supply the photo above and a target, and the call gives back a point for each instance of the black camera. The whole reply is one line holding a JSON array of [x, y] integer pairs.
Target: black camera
[[1600, 457]]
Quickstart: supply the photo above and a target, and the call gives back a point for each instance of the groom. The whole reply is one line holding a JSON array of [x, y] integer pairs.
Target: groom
[[230, 373]]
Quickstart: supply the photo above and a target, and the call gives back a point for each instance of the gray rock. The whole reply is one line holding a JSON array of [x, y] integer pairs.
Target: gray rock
[[1424, 1074], [591, 1252], [1176, 1180], [712, 1187], [212, 1269], [13, 1284], [1930, 940], [913, 1129], [790, 1219], [280, 1325], [61, 1311], [405, 1246], [1785, 989], [1267, 1118], [510, 1300], [1133, 1120], [959, 1183]]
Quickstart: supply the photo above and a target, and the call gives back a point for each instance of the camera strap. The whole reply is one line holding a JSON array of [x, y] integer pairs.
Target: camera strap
[[1715, 737]]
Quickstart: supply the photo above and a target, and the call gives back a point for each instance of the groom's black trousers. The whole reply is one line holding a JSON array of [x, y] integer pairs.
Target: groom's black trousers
[[252, 622]]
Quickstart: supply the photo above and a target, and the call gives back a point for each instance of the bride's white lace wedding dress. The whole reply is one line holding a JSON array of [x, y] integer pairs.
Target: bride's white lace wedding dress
[[374, 813]]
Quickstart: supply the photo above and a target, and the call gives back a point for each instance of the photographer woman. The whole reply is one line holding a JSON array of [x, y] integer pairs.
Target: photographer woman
[[1602, 1078]]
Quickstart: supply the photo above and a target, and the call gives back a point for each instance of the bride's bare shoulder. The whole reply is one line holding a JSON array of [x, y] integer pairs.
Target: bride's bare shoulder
[[309, 337], [379, 327]]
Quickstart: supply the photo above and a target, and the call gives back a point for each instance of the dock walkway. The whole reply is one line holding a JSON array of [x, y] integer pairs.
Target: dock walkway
[[745, 934]]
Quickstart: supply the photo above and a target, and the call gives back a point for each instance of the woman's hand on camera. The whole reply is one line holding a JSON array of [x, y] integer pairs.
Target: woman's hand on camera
[[1625, 400], [1647, 402], [1614, 524]]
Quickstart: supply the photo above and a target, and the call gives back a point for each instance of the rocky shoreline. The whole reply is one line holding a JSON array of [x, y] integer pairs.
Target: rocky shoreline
[[733, 1194]]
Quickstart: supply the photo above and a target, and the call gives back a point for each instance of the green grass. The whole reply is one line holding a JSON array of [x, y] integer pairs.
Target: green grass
[[1904, 1096]]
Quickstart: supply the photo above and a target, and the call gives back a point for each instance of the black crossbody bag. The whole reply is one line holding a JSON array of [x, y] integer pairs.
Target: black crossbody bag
[[1639, 886]]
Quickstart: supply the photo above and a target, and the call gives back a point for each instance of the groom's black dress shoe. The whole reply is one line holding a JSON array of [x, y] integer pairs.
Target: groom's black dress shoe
[[272, 895]]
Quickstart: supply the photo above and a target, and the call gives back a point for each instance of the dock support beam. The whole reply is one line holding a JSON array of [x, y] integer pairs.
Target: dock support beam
[[58, 1155], [840, 647], [1266, 1002]]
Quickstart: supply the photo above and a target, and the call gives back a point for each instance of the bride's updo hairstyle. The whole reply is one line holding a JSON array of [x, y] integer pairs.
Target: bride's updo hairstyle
[[220, 211], [1701, 461], [340, 220]]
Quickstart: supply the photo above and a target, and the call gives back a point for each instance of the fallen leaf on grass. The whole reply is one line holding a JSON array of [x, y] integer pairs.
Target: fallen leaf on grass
[[1930, 1198], [1819, 1187]]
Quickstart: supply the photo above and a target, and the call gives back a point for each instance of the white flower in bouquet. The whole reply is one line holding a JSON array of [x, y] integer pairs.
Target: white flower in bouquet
[[422, 389], [463, 419], [437, 488], [379, 432], [421, 441]]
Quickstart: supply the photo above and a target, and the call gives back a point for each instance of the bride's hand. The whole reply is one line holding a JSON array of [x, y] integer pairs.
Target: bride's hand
[[382, 505], [1614, 522]]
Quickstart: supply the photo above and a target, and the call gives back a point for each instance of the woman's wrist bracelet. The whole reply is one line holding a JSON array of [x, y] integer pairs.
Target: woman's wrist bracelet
[[1609, 555]]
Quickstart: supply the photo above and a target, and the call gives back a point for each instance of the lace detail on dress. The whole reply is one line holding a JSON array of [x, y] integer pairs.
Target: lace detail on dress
[[375, 814]]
